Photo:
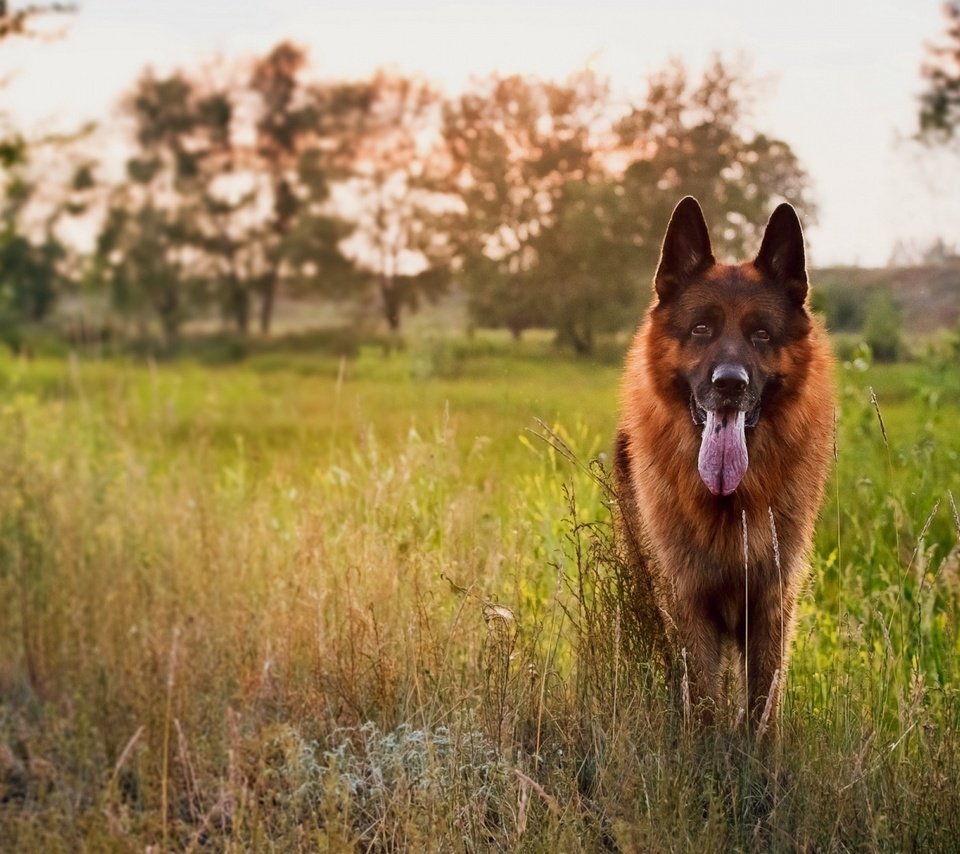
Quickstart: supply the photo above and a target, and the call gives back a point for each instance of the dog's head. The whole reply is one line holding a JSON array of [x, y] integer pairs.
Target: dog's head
[[733, 325]]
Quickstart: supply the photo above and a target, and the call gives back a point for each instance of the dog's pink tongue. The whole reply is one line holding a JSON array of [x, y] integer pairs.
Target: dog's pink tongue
[[723, 451]]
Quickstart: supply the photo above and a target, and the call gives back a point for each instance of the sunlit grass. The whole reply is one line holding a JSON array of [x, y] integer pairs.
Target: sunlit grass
[[358, 604]]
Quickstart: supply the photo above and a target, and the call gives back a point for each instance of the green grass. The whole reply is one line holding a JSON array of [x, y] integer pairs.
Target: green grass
[[312, 604]]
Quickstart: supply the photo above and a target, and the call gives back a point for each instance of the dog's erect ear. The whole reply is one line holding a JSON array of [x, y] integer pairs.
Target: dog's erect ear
[[686, 249], [781, 256]]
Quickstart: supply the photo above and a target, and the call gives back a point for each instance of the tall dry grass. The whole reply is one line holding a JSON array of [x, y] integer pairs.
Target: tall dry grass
[[231, 619]]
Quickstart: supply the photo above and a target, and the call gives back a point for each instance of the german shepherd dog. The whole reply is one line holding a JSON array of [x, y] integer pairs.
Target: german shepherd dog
[[723, 448]]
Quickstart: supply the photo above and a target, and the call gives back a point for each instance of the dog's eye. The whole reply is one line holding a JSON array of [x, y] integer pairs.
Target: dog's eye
[[761, 336], [701, 330]]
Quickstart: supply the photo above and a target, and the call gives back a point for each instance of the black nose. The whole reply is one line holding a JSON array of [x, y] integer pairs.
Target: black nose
[[730, 379]]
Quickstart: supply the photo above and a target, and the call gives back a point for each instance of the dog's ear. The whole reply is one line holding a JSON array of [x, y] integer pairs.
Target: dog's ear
[[781, 256], [686, 249]]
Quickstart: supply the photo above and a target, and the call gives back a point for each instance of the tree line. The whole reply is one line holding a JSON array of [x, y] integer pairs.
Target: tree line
[[541, 201]]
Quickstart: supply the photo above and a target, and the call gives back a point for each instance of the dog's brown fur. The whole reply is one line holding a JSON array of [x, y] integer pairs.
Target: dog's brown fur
[[689, 542]]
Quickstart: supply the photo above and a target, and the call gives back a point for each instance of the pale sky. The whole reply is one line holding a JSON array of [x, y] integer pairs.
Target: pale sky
[[841, 76]]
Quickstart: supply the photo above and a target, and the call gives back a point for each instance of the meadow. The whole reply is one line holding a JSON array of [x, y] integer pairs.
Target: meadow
[[310, 603]]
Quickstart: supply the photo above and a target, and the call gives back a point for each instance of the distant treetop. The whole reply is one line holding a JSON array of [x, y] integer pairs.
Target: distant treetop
[[939, 115]]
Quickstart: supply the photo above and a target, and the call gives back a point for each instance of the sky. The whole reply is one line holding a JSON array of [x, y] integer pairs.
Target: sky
[[839, 78]]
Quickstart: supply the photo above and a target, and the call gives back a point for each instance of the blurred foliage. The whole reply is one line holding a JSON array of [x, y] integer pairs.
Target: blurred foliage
[[882, 328], [400, 195], [939, 116], [553, 235], [515, 144], [842, 308], [31, 264], [204, 192], [301, 134], [589, 265], [542, 202], [16, 22], [34, 262], [138, 254], [863, 323], [693, 138]]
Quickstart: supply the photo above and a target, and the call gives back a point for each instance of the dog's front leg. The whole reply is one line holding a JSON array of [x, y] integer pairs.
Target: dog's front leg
[[699, 636], [765, 654]]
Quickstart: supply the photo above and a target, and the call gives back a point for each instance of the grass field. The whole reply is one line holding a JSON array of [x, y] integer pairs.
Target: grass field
[[309, 604]]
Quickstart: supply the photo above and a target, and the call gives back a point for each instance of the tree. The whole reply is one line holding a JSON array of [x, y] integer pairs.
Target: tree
[[226, 226], [587, 264], [16, 22], [693, 139], [564, 208], [515, 143], [939, 114], [284, 120], [147, 250], [882, 328], [305, 136], [218, 196], [141, 254], [35, 264], [397, 193], [603, 243], [234, 204], [30, 276], [30, 263]]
